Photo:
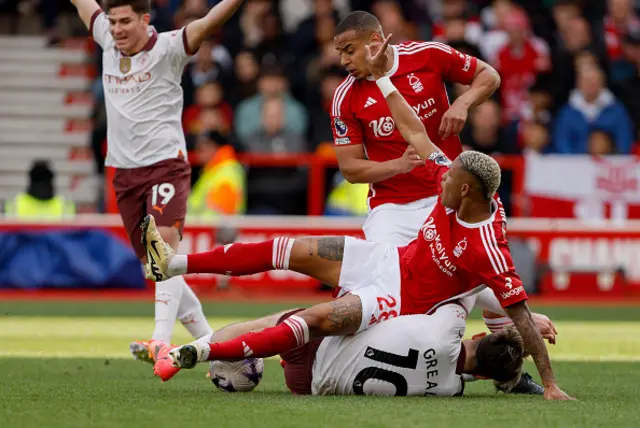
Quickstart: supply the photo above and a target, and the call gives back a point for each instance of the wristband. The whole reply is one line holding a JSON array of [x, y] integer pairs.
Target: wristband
[[385, 85]]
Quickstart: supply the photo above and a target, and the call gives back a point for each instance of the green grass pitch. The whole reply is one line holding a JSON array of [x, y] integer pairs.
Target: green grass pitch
[[66, 364]]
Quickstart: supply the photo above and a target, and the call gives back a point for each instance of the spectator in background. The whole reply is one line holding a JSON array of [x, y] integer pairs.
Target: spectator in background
[[575, 39], [209, 96], [40, 199], [347, 199], [619, 21], [275, 190], [457, 23], [519, 62], [494, 19], [272, 83], [601, 143], [535, 137], [484, 132], [629, 89], [591, 106], [211, 62], [246, 77], [220, 189], [393, 22]]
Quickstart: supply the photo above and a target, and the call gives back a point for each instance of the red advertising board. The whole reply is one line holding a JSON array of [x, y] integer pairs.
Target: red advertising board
[[583, 256]]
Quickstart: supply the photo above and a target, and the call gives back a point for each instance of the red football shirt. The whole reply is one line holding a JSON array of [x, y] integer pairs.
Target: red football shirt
[[360, 115], [451, 257]]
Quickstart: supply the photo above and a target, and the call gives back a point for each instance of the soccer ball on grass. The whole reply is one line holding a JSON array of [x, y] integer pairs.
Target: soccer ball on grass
[[236, 376]]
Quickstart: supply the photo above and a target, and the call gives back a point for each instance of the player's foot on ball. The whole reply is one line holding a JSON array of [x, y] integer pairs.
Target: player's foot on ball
[[159, 253], [164, 368], [140, 351], [527, 386], [187, 356]]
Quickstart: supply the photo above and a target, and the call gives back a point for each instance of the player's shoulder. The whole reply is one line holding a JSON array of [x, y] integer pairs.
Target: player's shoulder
[[342, 95], [416, 50]]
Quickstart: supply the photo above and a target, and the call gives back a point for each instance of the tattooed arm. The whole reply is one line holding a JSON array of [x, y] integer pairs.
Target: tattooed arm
[[534, 345]]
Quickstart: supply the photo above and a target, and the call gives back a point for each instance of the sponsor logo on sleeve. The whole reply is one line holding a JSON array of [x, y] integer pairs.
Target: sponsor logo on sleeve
[[340, 126]]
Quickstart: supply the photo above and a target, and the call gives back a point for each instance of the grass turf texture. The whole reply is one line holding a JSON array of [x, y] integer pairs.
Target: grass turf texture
[[64, 367]]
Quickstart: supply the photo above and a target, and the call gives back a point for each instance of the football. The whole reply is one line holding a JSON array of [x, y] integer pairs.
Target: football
[[236, 376]]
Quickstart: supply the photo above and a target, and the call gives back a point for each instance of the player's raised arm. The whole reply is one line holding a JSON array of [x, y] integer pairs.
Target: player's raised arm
[[86, 9], [534, 345], [202, 28], [407, 121]]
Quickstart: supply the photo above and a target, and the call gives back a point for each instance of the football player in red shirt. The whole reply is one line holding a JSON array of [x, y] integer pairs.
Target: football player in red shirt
[[460, 249], [368, 145]]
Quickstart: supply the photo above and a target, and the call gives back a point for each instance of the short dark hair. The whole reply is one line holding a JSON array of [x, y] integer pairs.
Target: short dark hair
[[500, 355], [138, 6], [358, 21]]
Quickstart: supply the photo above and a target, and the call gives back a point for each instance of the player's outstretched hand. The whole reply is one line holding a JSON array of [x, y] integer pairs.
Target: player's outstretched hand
[[546, 327], [376, 56], [554, 392], [453, 120], [409, 160]]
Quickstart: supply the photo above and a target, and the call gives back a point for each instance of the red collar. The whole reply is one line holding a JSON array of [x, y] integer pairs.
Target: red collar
[[153, 38]]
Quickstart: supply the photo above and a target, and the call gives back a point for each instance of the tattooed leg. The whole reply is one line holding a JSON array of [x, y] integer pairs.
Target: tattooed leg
[[319, 257], [340, 317]]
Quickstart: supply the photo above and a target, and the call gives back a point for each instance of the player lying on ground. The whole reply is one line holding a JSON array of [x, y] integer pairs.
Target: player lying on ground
[[461, 246], [408, 355], [141, 76]]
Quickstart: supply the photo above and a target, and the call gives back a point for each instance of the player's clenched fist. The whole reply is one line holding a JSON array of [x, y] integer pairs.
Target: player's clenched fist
[[409, 160], [453, 121]]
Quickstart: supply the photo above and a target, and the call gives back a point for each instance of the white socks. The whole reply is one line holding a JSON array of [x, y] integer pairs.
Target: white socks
[[168, 296], [191, 315], [176, 300], [177, 265]]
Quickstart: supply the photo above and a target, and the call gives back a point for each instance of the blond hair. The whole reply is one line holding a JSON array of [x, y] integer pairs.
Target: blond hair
[[484, 168]]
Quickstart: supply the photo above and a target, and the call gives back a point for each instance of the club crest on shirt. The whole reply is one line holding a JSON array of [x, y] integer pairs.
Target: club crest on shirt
[[143, 59], [125, 64], [340, 126], [459, 249]]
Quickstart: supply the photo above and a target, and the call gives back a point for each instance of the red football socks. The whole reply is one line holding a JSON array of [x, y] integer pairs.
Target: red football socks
[[243, 259], [290, 334]]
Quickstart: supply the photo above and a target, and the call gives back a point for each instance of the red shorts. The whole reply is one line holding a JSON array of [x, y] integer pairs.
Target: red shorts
[[161, 189], [299, 363]]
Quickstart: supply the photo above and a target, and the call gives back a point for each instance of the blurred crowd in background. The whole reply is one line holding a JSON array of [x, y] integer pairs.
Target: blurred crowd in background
[[264, 83]]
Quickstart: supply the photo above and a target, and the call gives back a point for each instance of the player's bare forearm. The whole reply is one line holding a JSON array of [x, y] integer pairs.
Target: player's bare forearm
[[485, 83], [356, 169], [86, 9], [202, 28], [409, 125], [366, 171], [533, 342]]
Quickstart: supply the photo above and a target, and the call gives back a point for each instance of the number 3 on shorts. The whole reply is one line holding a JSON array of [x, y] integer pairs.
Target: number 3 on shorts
[[166, 191]]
